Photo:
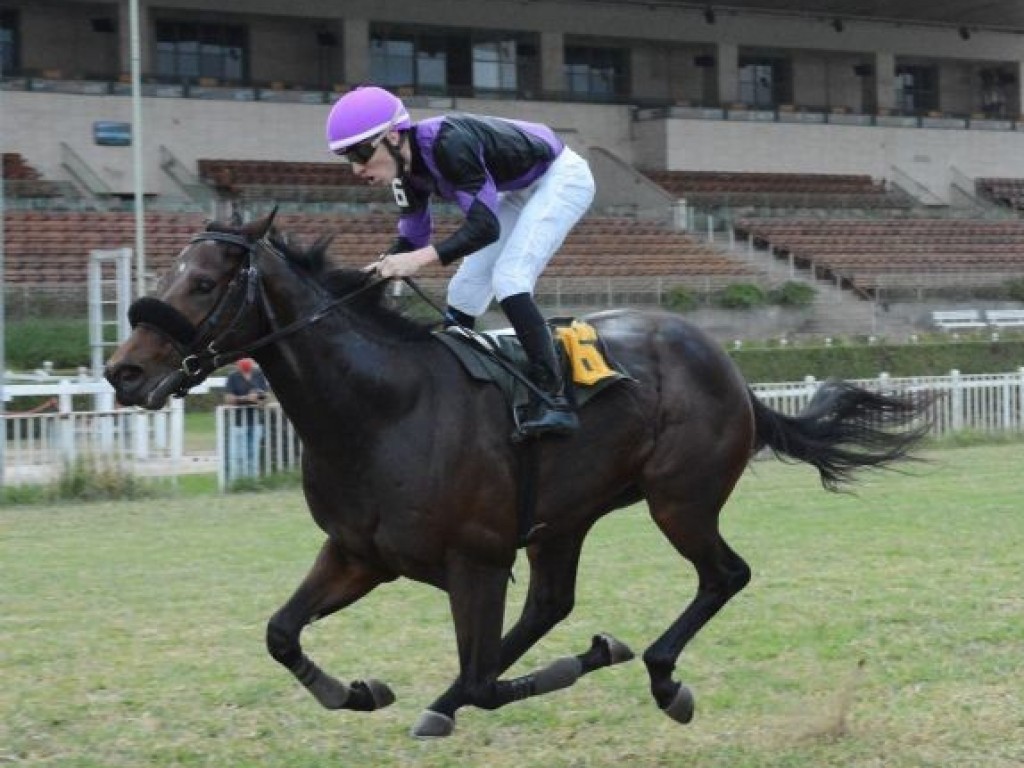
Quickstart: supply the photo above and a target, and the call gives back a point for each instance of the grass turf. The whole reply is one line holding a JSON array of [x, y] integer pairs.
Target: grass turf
[[883, 629]]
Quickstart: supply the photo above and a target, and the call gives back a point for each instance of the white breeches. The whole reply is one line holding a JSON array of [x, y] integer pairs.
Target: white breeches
[[534, 222]]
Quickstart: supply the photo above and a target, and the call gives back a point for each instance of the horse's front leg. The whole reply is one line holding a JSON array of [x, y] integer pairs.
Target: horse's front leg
[[477, 595], [333, 583]]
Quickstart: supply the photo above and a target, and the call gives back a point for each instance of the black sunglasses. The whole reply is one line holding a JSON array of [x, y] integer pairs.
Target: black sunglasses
[[362, 152]]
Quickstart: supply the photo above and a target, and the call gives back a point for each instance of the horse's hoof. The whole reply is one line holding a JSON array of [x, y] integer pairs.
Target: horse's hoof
[[432, 725], [380, 693], [619, 652], [681, 707]]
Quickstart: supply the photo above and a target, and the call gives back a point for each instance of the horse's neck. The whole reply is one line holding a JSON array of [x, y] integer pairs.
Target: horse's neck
[[335, 377]]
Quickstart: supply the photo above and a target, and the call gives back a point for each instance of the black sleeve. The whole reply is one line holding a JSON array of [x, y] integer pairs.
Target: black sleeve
[[400, 245], [480, 229]]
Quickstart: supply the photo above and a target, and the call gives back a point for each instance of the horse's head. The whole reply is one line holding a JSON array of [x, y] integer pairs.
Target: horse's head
[[206, 304]]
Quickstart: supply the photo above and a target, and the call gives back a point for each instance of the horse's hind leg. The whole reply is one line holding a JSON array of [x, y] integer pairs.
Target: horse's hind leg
[[551, 596], [333, 582], [692, 527]]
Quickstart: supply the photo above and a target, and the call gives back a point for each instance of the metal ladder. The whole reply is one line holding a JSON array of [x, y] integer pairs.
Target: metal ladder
[[110, 290]]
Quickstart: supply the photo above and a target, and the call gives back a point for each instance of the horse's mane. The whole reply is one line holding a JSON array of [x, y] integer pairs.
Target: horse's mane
[[371, 303]]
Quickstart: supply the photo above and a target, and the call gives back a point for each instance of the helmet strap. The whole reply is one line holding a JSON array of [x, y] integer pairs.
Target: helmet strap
[[396, 152]]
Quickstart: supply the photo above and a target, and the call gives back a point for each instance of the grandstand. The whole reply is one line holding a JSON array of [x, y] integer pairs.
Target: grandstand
[[867, 149], [891, 253]]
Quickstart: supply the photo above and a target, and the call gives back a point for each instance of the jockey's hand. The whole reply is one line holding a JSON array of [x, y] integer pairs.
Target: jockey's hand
[[403, 264]]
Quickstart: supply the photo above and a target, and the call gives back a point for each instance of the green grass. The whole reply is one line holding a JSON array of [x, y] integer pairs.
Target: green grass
[[883, 629]]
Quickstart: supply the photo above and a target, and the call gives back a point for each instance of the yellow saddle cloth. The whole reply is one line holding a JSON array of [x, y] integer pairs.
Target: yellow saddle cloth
[[585, 358]]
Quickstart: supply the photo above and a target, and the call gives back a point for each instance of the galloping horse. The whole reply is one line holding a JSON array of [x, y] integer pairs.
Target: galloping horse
[[409, 470]]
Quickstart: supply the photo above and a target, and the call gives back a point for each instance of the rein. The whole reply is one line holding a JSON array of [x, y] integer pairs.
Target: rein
[[199, 345]]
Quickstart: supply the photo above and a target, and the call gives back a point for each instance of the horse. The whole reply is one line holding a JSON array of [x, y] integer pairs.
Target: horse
[[409, 470]]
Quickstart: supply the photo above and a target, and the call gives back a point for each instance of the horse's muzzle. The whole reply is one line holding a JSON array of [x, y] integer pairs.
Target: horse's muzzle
[[131, 385]]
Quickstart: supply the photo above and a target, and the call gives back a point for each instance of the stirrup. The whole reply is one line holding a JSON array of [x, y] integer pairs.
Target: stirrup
[[551, 420]]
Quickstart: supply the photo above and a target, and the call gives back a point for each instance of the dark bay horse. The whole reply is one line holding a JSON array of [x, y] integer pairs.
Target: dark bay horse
[[409, 470]]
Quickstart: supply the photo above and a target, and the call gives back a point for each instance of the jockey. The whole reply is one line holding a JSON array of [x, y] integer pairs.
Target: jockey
[[521, 191]]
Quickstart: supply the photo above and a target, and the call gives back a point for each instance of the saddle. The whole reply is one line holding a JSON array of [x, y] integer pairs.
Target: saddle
[[498, 358], [489, 356]]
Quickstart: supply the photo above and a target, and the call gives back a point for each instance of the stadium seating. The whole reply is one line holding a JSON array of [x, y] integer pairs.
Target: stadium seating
[[1003, 191], [53, 247], [777, 190], [21, 180], [905, 252], [262, 180]]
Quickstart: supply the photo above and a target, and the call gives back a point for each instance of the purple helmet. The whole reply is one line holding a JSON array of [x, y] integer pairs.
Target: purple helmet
[[362, 114]]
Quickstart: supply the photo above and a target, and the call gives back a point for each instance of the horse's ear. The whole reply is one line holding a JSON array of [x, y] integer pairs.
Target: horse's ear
[[256, 229]]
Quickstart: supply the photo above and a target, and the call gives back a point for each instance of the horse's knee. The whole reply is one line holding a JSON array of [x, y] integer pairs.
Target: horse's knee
[[283, 642]]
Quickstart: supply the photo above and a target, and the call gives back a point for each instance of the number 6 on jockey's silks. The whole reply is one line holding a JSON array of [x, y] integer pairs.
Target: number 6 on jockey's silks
[[401, 199]]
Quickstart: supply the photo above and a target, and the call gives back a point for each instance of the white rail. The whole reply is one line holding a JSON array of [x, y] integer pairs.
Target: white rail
[[148, 442], [991, 402], [253, 442]]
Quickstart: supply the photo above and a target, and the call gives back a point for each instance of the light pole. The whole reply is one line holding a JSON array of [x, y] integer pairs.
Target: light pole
[[3, 291], [140, 211]]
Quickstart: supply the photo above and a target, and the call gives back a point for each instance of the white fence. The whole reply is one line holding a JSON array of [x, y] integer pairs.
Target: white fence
[[982, 402], [40, 443], [146, 442], [254, 441]]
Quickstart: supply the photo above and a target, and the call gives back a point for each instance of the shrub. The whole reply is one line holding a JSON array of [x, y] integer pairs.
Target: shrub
[[65, 343], [680, 299], [1015, 289], [741, 296], [793, 294]]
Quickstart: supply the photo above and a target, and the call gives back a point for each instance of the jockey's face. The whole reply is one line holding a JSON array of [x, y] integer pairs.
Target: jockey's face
[[381, 169]]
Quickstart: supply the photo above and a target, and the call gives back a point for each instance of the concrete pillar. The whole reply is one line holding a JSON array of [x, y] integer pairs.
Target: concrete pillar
[[1015, 107], [727, 62], [356, 51], [885, 81], [552, 62]]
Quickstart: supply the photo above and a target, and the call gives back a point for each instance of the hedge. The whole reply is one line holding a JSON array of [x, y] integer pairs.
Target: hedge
[[867, 361]]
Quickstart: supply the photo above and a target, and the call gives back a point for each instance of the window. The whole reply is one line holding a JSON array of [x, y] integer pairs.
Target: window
[[432, 61], [494, 65], [8, 41], [596, 72], [917, 89], [460, 62], [189, 50], [765, 82], [392, 61]]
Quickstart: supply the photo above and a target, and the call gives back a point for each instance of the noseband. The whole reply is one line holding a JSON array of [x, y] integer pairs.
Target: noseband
[[200, 346]]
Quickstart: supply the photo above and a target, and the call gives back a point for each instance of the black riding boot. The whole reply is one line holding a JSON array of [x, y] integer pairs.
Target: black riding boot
[[555, 415]]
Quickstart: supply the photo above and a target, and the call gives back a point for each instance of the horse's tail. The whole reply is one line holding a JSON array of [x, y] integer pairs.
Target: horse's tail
[[844, 428]]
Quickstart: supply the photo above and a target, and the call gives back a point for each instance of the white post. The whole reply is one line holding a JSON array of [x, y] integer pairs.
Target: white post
[[177, 433], [140, 436], [67, 422], [956, 396], [1020, 395], [220, 418]]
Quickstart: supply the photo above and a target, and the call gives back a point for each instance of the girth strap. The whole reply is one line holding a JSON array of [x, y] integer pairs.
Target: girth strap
[[526, 508]]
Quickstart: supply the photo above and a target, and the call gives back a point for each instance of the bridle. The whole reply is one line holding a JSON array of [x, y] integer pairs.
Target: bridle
[[203, 347]]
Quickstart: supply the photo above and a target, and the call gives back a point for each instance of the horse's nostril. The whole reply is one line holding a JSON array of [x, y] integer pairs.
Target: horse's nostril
[[122, 374]]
